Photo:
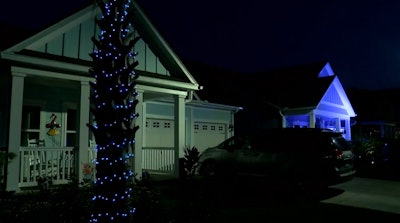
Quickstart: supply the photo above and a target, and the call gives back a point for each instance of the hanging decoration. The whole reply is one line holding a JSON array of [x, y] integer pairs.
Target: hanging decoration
[[88, 172], [53, 126]]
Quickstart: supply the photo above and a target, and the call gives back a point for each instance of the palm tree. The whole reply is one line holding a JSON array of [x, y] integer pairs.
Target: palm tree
[[113, 105]]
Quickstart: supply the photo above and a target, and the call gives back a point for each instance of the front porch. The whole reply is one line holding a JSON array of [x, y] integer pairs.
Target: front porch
[[64, 152]]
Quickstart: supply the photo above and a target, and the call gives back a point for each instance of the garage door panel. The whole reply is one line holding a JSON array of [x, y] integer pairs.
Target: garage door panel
[[159, 133], [208, 134]]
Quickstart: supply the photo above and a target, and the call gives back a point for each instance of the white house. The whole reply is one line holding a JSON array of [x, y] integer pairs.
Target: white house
[[303, 96], [44, 82]]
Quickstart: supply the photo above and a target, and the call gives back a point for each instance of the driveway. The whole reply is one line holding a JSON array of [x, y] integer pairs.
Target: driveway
[[246, 200], [374, 194]]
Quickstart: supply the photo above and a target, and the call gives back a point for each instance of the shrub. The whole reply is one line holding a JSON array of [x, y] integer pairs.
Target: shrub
[[5, 157], [190, 161]]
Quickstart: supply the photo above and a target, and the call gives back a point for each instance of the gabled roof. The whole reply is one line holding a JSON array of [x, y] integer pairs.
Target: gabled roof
[[36, 50]]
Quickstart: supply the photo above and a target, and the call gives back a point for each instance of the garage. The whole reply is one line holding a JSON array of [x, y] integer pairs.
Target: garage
[[207, 134], [159, 133]]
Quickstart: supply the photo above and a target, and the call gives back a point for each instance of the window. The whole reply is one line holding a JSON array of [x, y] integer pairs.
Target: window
[[30, 125], [72, 127], [156, 124]]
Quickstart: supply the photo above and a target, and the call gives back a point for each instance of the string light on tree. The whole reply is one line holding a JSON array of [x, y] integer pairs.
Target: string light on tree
[[113, 102]]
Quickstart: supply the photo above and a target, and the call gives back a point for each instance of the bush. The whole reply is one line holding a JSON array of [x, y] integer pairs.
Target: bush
[[190, 161], [5, 157]]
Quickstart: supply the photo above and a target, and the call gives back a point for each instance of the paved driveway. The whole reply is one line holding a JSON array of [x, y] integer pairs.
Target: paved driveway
[[246, 200], [380, 195]]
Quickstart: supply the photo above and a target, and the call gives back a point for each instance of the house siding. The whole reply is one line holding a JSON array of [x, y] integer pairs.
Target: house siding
[[76, 43]]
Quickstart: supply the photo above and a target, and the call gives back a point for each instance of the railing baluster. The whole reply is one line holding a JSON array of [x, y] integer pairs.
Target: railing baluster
[[54, 163], [158, 159], [58, 163]]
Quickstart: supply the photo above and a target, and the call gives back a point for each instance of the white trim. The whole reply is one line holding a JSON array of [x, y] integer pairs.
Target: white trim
[[50, 74], [44, 62], [343, 96], [160, 90], [164, 82], [204, 104], [155, 116], [332, 104], [140, 80], [331, 114]]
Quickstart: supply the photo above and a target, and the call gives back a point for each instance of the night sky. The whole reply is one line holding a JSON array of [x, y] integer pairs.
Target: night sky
[[360, 39]]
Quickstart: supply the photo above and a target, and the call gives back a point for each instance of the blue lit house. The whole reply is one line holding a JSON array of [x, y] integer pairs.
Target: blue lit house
[[44, 105], [304, 96]]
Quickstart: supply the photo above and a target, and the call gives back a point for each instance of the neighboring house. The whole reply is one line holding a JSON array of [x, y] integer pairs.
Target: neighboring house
[[375, 129], [300, 96], [44, 87], [378, 113]]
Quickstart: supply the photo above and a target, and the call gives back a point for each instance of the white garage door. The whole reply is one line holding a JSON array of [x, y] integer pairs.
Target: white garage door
[[208, 134], [159, 133]]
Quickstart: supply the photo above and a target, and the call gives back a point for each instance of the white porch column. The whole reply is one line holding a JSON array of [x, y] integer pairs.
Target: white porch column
[[347, 129], [312, 119], [337, 124], [231, 131], [138, 147], [284, 124], [84, 114], [14, 137], [179, 131]]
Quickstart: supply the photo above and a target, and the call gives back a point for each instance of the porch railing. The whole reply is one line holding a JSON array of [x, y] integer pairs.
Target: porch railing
[[58, 164], [158, 160], [55, 164]]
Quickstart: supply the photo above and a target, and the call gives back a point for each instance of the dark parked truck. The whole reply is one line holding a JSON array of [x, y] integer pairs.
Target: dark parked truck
[[299, 157]]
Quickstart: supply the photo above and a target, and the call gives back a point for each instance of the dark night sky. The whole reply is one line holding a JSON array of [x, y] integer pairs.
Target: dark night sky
[[360, 39]]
